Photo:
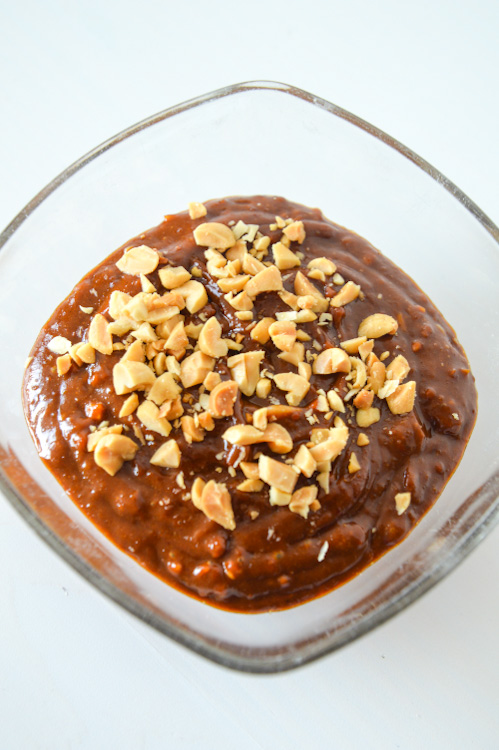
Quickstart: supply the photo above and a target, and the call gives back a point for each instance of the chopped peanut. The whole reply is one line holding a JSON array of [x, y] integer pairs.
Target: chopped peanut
[[138, 260], [250, 485], [210, 339], [222, 399], [295, 232], [378, 325], [215, 502], [362, 439], [148, 413], [195, 368], [402, 502], [173, 276], [112, 451], [347, 293], [196, 210], [331, 360], [305, 461], [367, 417], [214, 234], [302, 500], [192, 433], [131, 376], [283, 334], [284, 258], [323, 264], [281, 476], [269, 280], [168, 455], [401, 400], [129, 406], [352, 345], [353, 464], [165, 388], [296, 386], [63, 364], [245, 369], [98, 335]]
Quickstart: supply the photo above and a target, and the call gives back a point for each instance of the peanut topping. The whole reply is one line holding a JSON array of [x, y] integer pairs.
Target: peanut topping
[[98, 335], [195, 368], [168, 455], [196, 210], [269, 280], [112, 451], [402, 502], [323, 264], [173, 276], [214, 234], [284, 258], [215, 502], [302, 500], [245, 369], [210, 339], [171, 344], [367, 417], [296, 386], [131, 376], [138, 260], [281, 476], [401, 400], [330, 361], [222, 399], [378, 325], [347, 294], [295, 232]]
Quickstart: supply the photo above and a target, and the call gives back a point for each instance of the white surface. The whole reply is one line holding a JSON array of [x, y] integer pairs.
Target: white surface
[[75, 670]]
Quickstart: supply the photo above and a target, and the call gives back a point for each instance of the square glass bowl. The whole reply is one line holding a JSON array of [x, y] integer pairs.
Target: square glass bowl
[[245, 139]]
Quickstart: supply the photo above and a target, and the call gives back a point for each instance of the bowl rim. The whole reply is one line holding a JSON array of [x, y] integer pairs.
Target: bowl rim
[[271, 660]]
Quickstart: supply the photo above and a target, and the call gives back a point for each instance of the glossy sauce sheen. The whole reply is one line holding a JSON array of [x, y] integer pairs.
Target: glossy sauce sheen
[[270, 562]]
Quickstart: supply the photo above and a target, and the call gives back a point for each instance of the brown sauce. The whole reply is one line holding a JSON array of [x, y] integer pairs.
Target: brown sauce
[[274, 557]]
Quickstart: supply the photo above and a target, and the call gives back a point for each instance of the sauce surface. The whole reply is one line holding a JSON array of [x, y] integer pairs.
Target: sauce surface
[[272, 557]]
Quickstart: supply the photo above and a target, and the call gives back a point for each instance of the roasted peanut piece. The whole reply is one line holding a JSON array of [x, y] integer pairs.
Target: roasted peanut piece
[[59, 345], [347, 293], [330, 361], [402, 502], [131, 376], [194, 295], [245, 370], [196, 210], [296, 386], [283, 334], [173, 276], [129, 406], [401, 400], [112, 451], [367, 417], [98, 335], [278, 438], [222, 399], [215, 502], [284, 258], [378, 325], [148, 413], [250, 485], [138, 260], [362, 439], [281, 476], [260, 332], [243, 434], [352, 345], [195, 368], [164, 388], [269, 280], [353, 464], [210, 339], [295, 232], [302, 500], [323, 264], [214, 234], [168, 455], [398, 369], [192, 433], [305, 461], [63, 364]]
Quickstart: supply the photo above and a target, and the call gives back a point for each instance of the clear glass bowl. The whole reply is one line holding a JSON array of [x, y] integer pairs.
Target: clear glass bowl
[[252, 138]]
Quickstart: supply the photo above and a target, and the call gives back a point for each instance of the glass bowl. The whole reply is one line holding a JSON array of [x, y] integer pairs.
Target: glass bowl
[[245, 139]]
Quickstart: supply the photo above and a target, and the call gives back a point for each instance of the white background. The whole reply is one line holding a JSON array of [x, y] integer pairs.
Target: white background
[[75, 670]]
